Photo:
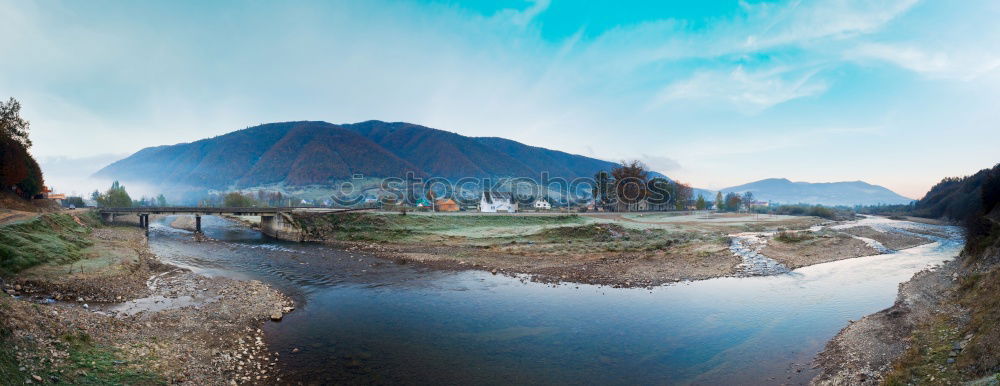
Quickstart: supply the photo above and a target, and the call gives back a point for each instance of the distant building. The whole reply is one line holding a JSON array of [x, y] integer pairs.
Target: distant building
[[445, 205], [541, 203], [493, 202]]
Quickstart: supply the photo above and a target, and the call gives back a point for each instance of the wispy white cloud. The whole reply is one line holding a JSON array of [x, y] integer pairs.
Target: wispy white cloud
[[964, 65], [747, 91], [525, 16]]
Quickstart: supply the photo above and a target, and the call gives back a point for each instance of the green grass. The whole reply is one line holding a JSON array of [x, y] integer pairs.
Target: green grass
[[979, 294], [925, 362], [50, 238]]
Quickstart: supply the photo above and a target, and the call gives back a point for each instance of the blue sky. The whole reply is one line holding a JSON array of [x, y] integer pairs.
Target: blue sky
[[715, 93]]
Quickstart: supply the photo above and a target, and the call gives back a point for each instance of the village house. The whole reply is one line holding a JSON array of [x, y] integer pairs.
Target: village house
[[493, 202], [542, 204], [445, 205]]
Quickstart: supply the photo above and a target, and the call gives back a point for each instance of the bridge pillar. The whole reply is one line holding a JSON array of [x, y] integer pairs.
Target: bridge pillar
[[279, 227], [197, 223]]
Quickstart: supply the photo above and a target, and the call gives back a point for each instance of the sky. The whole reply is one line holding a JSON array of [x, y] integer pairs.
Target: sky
[[899, 93]]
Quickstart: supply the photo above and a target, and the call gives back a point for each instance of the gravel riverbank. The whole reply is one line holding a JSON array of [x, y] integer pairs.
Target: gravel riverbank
[[150, 320]]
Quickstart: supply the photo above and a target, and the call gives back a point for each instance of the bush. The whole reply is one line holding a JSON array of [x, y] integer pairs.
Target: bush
[[237, 199], [838, 213], [793, 237]]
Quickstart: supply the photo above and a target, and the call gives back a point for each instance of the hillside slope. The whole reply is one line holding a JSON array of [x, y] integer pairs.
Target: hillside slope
[[319, 153], [295, 153], [782, 190]]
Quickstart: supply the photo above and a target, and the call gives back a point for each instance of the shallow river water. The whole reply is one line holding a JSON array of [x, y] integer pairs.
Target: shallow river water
[[360, 319]]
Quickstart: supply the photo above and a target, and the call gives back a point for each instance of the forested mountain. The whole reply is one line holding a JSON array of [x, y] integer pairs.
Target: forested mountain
[[317, 153], [959, 198], [446, 154], [294, 153], [781, 190]]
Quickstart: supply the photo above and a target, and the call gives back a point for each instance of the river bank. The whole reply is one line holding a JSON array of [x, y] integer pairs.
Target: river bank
[[620, 250], [365, 319], [114, 312], [940, 330]]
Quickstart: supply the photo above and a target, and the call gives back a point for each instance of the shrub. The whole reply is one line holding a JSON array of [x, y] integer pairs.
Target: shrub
[[793, 237]]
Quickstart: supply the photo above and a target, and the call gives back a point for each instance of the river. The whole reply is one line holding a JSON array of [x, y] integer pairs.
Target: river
[[361, 319]]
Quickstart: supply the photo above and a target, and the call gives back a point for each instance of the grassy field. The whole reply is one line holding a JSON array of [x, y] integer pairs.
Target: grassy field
[[394, 227], [50, 238]]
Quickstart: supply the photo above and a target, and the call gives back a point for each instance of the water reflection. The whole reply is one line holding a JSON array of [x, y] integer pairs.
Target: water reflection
[[363, 319]]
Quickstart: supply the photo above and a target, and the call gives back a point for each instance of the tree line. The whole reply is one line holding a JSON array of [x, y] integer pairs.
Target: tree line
[[628, 188], [117, 197]]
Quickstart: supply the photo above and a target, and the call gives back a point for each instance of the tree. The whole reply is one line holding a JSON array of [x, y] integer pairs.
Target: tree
[[700, 204], [18, 168], [631, 179], [35, 182], [75, 201], [682, 195], [115, 197], [733, 201], [13, 168], [12, 125], [237, 199], [602, 192], [160, 200], [720, 203]]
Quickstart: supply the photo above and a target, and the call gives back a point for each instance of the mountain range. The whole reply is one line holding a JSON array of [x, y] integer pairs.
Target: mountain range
[[781, 190], [316, 153]]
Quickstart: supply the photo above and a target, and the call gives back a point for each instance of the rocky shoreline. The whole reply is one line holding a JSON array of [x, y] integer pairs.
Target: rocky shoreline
[[864, 351], [156, 320]]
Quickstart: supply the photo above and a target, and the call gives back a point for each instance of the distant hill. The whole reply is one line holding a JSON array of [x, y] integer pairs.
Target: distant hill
[[851, 193], [317, 153]]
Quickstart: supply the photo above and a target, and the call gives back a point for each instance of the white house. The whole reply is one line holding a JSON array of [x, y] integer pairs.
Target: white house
[[541, 203], [493, 202]]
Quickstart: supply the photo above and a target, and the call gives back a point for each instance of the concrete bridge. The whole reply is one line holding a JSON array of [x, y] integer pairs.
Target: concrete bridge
[[274, 222]]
